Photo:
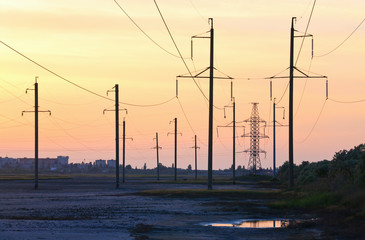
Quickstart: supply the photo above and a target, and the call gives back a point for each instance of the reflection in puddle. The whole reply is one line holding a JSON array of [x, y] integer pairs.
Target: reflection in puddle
[[254, 224]]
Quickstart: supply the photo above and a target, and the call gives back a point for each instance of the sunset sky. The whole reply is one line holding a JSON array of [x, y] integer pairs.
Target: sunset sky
[[94, 44]]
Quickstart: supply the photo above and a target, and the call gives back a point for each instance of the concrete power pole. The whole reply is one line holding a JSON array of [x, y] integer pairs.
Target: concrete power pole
[[116, 110], [210, 135], [291, 87], [124, 138], [36, 111], [274, 134], [196, 159], [175, 152], [291, 95], [158, 161], [210, 99]]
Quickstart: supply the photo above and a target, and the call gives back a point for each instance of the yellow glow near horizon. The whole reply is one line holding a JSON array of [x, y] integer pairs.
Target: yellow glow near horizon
[[93, 44]]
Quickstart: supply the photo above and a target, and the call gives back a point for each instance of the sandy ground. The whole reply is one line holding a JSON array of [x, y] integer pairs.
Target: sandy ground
[[92, 208]]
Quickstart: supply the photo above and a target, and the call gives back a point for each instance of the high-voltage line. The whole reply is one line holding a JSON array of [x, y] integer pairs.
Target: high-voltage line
[[172, 38], [342, 41], [81, 87], [135, 24]]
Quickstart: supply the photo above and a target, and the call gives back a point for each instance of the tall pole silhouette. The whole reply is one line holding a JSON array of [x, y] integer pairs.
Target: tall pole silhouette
[[210, 135], [116, 110], [196, 158], [233, 136], [36, 146], [116, 89], [175, 152], [175, 175], [124, 138], [291, 87], [291, 93], [36, 132], [123, 151], [274, 139], [234, 142], [210, 99], [158, 160]]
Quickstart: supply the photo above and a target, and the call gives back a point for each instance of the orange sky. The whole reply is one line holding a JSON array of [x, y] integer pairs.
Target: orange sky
[[94, 44]]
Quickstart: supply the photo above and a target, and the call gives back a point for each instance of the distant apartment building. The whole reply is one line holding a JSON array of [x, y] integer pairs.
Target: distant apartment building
[[44, 163], [100, 163], [111, 163], [8, 162]]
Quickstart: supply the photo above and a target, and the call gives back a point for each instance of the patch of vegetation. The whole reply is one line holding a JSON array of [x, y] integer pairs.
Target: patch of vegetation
[[316, 200], [199, 181], [333, 189]]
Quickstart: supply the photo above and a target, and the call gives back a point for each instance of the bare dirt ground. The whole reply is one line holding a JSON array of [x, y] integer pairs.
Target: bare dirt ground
[[92, 208]]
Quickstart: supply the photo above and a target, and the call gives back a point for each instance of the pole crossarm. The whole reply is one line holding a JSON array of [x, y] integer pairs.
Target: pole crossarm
[[174, 133], [304, 75], [199, 75], [36, 125], [113, 110], [228, 125], [48, 111]]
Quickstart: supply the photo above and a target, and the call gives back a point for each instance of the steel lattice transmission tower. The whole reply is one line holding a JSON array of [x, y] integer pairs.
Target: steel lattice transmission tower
[[255, 135]]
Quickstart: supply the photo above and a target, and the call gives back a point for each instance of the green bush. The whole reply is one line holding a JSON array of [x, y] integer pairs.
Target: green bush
[[346, 168]]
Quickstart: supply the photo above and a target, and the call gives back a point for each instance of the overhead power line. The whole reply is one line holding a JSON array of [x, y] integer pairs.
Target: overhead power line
[[79, 86], [337, 101], [186, 66], [135, 24], [305, 33], [315, 123], [172, 38], [342, 41], [57, 75]]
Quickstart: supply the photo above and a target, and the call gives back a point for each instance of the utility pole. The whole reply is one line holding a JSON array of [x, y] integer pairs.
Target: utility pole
[[291, 87], [124, 138], [210, 135], [291, 95], [36, 111], [158, 161], [210, 99], [234, 142], [274, 134], [116, 110], [234, 138], [196, 159], [234, 134], [274, 140], [175, 152]]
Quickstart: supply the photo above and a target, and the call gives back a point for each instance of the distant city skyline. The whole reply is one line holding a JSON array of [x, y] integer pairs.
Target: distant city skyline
[[95, 45]]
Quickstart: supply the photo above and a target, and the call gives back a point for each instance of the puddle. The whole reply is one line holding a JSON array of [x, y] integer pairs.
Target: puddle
[[255, 223]]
